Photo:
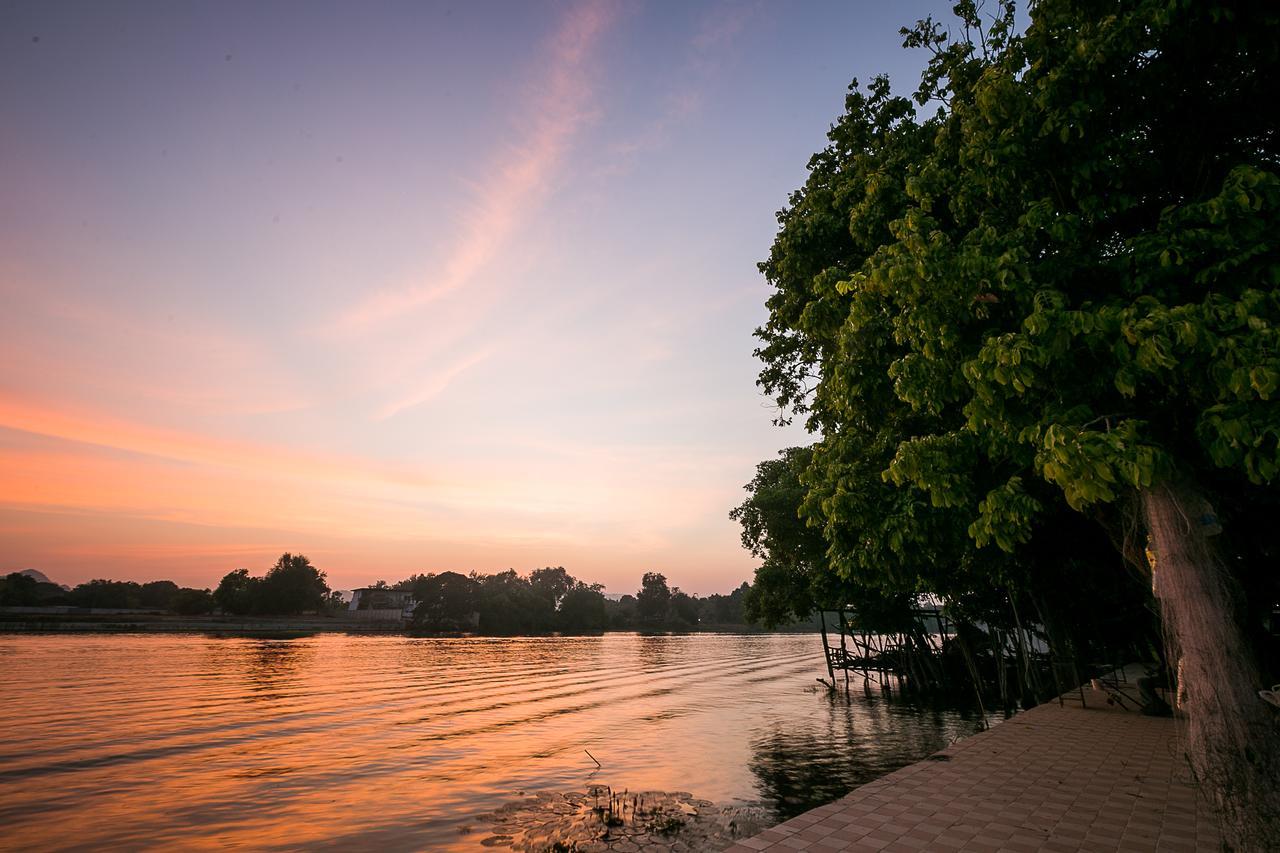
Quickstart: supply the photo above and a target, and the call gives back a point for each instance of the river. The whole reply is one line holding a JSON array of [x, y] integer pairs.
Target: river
[[335, 741]]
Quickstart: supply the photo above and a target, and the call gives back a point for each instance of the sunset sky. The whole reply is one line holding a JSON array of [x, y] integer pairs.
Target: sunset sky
[[404, 287]]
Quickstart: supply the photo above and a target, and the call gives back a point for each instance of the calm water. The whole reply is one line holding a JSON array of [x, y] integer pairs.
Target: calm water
[[329, 741]]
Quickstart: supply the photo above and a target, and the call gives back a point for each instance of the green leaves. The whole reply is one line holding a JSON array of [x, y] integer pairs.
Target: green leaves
[[1062, 286], [1093, 465], [1006, 517], [935, 464], [1245, 436], [1264, 379]]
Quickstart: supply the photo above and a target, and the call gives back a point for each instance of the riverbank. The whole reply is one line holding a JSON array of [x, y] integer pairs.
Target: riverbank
[[144, 623], [1052, 778], [28, 620]]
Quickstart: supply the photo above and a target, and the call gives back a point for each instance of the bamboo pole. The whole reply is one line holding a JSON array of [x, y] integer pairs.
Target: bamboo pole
[[826, 648]]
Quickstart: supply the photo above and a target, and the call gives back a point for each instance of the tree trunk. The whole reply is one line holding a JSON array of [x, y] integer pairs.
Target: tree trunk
[[1232, 739]]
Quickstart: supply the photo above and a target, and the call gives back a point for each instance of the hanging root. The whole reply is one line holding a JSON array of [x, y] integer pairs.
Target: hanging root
[[1232, 738]]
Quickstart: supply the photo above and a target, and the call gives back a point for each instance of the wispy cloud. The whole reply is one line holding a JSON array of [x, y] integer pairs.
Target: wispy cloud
[[435, 384], [444, 380], [721, 27], [100, 429], [558, 105], [705, 57]]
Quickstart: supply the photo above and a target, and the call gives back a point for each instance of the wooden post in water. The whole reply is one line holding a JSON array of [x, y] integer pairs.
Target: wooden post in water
[[826, 647], [844, 652], [866, 657]]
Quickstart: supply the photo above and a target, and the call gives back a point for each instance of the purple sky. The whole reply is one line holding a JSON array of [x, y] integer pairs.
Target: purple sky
[[404, 287]]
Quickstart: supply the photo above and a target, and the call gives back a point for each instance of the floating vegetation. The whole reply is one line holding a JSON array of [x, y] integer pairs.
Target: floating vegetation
[[603, 819]]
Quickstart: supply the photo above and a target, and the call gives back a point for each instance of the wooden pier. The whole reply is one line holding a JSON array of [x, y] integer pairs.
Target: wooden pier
[[885, 657], [1001, 668]]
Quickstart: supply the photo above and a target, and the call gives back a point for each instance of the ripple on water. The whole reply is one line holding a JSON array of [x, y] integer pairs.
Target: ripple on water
[[194, 741]]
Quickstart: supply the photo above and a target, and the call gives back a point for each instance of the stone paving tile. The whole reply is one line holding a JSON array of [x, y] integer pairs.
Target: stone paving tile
[[1052, 779]]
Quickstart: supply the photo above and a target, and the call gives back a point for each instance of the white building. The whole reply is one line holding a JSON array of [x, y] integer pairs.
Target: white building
[[382, 604]]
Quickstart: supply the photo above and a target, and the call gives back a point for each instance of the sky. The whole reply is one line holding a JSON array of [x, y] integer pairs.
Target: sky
[[404, 287]]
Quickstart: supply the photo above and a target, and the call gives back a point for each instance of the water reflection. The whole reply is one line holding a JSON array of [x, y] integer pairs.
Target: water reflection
[[655, 648], [132, 741], [269, 665], [804, 763]]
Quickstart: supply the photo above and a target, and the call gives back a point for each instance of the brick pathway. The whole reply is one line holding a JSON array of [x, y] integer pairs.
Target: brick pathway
[[1048, 779]]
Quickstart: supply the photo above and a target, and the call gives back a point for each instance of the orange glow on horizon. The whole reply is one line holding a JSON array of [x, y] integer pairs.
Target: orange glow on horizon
[[164, 499], [427, 308]]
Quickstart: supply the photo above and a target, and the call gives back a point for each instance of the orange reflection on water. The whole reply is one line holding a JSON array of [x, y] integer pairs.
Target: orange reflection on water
[[398, 743]]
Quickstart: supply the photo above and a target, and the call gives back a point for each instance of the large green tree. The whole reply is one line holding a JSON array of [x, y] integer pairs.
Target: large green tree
[[1056, 289], [792, 580]]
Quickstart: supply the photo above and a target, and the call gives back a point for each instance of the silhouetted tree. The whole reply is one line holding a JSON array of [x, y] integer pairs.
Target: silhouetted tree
[[446, 602], [293, 585], [653, 598], [508, 605], [192, 602], [101, 593], [683, 609], [551, 584], [717, 609], [19, 590], [158, 594], [237, 592], [583, 609], [622, 613]]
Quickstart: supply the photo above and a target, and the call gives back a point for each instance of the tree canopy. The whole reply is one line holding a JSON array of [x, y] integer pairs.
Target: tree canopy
[[446, 601], [289, 587], [550, 599], [1042, 290], [22, 590], [654, 597]]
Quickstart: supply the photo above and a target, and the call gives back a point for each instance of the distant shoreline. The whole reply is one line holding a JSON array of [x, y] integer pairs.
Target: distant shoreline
[[161, 624], [269, 627]]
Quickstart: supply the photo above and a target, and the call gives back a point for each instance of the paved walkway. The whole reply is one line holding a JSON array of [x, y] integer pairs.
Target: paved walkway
[[1050, 778]]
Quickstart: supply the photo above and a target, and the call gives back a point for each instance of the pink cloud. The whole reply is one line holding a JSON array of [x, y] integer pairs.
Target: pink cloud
[[102, 430], [559, 104], [435, 385]]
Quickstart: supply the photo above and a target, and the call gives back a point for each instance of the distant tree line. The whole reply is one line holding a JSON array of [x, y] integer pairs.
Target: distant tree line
[[551, 600], [546, 600], [19, 590], [290, 587]]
